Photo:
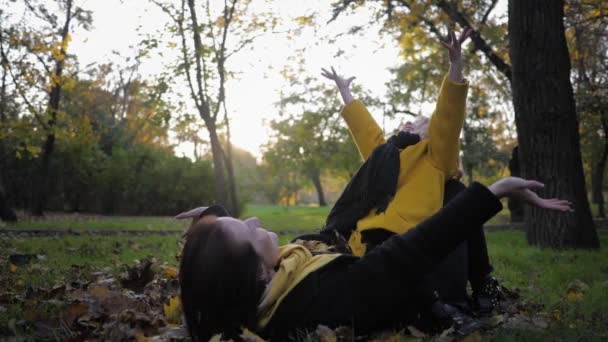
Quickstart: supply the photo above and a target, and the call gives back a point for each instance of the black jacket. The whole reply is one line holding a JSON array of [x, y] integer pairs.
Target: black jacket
[[378, 290]]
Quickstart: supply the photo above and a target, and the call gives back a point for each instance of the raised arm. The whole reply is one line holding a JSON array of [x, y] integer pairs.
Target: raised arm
[[342, 84], [364, 129], [448, 118]]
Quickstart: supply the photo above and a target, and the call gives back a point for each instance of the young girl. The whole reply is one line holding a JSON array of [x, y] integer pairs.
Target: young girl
[[233, 274]]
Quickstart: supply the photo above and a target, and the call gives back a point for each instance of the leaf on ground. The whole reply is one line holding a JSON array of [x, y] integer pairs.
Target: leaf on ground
[[21, 259], [12, 268], [325, 334], [99, 292], [573, 297], [474, 337], [137, 276], [173, 310], [74, 311], [578, 286], [415, 332], [169, 272]]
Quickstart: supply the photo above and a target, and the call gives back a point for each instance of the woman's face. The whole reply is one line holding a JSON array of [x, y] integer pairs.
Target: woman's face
[[265, 243], [419, 126]]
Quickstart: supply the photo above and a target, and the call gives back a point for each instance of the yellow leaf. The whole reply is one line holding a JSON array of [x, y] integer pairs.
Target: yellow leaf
[[573, 296], [173, 310], [12, 268], [169, 272], [140, 337]]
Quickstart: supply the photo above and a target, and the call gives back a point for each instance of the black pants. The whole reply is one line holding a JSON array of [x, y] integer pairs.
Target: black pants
[[468, 262]]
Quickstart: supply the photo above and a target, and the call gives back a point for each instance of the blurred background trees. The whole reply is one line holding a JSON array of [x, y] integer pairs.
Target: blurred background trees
[[103, 137]]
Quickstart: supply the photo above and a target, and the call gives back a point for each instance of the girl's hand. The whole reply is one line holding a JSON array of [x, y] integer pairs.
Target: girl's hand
[[454, 45], [522, 189], [342, 83]]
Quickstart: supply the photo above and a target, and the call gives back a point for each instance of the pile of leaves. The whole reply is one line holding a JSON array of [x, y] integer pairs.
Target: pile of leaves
[[140, 304]]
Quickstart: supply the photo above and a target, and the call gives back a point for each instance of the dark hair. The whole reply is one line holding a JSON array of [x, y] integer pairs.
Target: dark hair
[[220, 284]]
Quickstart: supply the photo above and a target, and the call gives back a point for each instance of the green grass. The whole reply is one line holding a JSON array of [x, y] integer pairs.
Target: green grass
[[295, 218], [81, 222], [543, 276], [276, 218]]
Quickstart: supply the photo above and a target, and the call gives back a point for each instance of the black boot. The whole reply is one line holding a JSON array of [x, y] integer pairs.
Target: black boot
[[487, 296], [442, 316]]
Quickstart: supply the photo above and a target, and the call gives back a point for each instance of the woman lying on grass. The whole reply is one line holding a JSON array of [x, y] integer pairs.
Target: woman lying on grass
[[233, 274]]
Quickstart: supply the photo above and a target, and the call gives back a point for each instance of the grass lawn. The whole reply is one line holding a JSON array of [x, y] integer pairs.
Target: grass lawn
[[83, 222], [277, 218]]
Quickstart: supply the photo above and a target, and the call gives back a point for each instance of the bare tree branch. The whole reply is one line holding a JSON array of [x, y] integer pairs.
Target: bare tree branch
[[480, 44], [338, 9], [487, 14]]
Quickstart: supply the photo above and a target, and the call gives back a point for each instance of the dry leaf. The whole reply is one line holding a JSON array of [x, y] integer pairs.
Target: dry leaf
[[474, 337], [12, 268], [173, 310], [573, 296], [169, 272], [99, 292], [326, 334]]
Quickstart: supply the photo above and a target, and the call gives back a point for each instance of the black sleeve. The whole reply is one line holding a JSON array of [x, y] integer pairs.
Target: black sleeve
[[404, 258]]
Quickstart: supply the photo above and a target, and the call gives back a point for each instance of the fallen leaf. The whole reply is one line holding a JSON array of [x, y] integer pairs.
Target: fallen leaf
[[540, 322], [474, 337], [173, 310], [137, 276], [75, 310], [12, 268], [415, 332], [21, 259], [555, 315], [100, 292], [169, 272], [325, 334], [578, 286], [574, 296]]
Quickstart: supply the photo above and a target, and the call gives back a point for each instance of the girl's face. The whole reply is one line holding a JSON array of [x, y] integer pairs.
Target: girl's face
[[265, 243], [419, 126]]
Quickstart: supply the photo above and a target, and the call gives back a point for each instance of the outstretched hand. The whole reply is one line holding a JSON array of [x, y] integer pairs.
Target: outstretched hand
[[454, 45], [342, 83], [522, 189]]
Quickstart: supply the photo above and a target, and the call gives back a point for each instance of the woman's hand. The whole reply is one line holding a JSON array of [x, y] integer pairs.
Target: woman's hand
[[522, 189], [454, 47], [342, 83]]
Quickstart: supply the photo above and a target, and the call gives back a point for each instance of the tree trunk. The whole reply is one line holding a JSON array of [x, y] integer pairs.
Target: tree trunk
[[41, 184], [6, 212], [316, 180], [597, 177], [218, 167], [516, 207], [234, 202], [547, 126]]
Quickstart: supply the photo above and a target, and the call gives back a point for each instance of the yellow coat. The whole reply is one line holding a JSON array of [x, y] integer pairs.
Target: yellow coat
[[424, 167]]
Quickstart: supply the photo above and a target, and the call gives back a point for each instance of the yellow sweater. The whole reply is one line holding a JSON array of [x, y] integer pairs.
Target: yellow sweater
[[424, 167]]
